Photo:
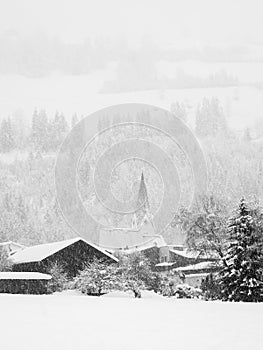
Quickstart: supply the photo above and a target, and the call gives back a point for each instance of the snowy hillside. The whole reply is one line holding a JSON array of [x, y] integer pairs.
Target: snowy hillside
[[81, 94]]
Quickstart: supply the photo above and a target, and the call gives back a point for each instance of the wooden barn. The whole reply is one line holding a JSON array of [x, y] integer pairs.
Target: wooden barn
[[72, 254]]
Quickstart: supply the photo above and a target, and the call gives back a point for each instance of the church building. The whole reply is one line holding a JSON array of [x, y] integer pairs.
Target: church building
[[141, 236]]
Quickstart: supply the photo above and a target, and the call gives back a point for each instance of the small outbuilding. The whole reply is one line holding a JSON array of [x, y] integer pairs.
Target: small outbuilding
[[196, 273], [24, 282]]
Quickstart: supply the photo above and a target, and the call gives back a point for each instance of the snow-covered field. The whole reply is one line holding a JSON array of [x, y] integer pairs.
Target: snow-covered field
[[66, 321], [19, 95]]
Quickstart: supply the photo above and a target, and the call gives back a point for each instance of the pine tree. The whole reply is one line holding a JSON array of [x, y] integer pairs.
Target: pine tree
[[21, 209], [179, 111], [57, 130], [40, 131], [7, 140], [210, 119], [7, 202], [241, 279], [247, 135], [74, 120]]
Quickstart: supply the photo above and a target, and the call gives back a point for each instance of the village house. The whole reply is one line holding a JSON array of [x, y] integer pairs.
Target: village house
[[74, 254], [71, 254], [24, 282]]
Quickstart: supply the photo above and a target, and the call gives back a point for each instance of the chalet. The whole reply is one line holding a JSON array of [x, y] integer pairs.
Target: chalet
[[72, 254]]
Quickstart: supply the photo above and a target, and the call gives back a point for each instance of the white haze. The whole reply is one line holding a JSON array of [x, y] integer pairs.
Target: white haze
[[228, 29]]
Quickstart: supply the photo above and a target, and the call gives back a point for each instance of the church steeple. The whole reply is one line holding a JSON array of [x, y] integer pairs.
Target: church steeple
[[143, 212]]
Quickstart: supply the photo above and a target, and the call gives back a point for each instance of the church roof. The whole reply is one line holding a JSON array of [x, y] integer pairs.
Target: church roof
[[114, 239]]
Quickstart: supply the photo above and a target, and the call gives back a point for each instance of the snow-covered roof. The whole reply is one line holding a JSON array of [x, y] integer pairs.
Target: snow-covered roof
[[197, 275], [24, 276], [193, 254], [200, 266], [129, 240], [164, 264], [10, 243], [186, 253], [42, 251]]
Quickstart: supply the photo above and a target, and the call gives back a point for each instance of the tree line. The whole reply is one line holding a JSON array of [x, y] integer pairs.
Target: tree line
[[45, 134]]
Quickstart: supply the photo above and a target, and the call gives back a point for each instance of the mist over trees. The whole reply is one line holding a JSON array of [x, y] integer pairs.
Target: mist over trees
[[210, 119], [39, 56], [30, 214]]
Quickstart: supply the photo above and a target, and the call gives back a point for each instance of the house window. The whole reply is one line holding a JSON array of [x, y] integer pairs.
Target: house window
[[164, 259]]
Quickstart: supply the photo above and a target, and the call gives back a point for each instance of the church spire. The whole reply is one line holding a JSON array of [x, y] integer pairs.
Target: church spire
[[142, 213]]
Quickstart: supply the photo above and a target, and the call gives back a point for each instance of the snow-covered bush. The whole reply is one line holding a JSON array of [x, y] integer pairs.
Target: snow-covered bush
[[132, 273], [136, 273], [182, 291], [59, 278], [98, 278]]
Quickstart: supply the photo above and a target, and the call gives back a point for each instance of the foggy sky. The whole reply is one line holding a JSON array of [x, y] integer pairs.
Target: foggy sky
[[168, 23], [187, 22]]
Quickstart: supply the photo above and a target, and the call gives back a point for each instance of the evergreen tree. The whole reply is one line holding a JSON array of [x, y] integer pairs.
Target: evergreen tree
[[179, 111], [21, 209], [40, 131], [241, 279], [58, 129], [7, 139], [7, 202], [247, 135], [210, 119], [19, 129], [74, 120]]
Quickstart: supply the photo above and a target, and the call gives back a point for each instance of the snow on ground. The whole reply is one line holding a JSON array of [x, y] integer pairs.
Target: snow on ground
[[19, 95], [68, 321]]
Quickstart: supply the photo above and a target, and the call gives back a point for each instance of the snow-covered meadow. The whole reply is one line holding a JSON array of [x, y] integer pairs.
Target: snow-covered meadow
[[68, 321], [82, 94]]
